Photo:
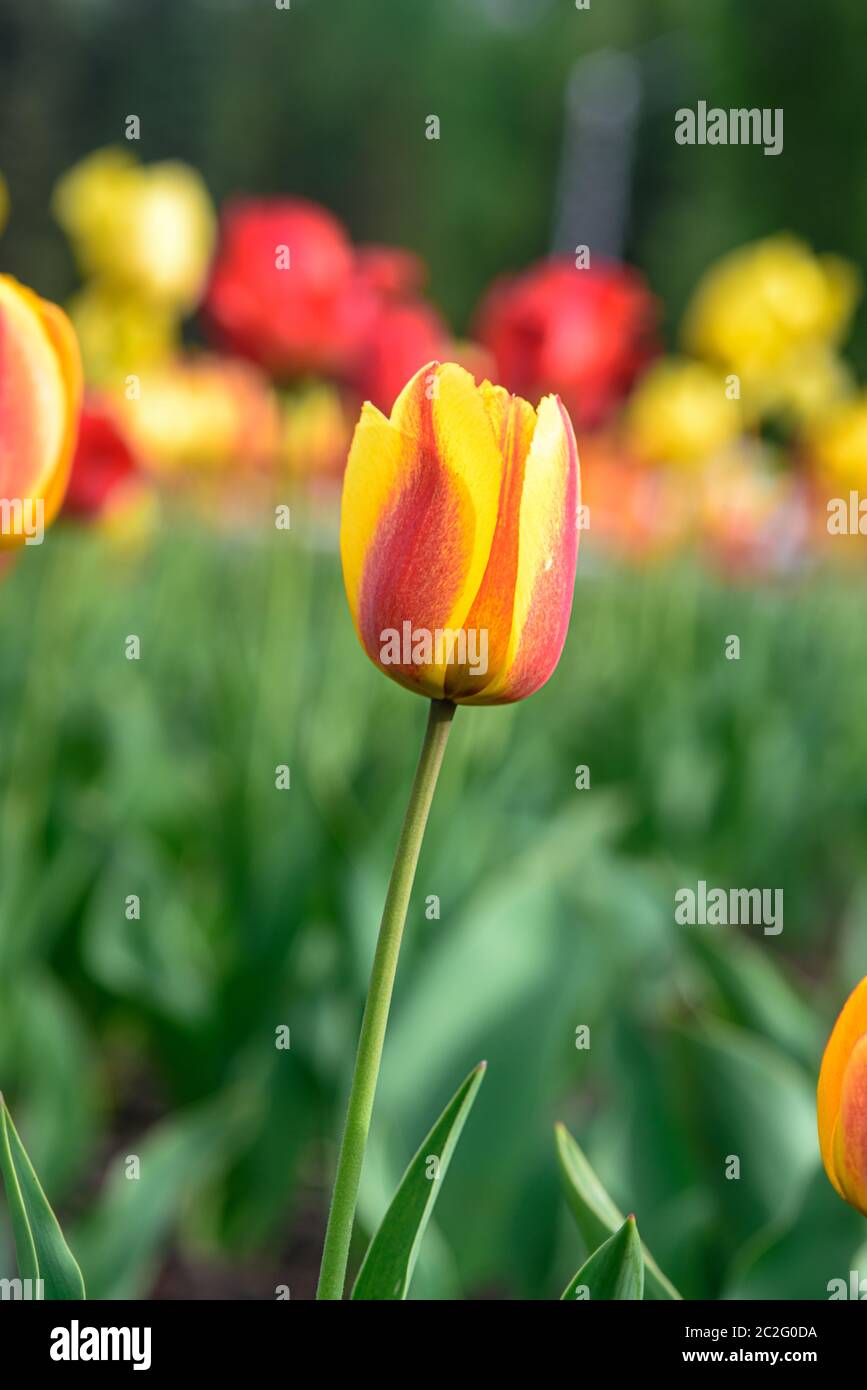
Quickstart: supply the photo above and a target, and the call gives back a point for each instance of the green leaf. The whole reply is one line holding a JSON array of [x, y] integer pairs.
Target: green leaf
[[39, 1244], [743, 1098], [595, 1213], [391, 1255], [614, 1271], [804, 1253], [758, 993], [122, 1235]]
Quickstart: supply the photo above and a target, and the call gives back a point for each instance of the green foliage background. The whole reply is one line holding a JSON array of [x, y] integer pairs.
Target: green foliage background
[[259, 907]]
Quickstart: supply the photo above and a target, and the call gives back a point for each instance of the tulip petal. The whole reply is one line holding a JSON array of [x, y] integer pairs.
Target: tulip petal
[[40, 397], [513, 421], [847, 1034], [441, 410], [30, 379], [420, 507], [547, 556], [850, 1132], [370, 483], [62, 334]]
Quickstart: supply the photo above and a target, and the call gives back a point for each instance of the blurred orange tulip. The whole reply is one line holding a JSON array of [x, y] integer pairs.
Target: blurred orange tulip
[[40, 400], [459, 537], [634, 511], [752, 517], [842, 1101]]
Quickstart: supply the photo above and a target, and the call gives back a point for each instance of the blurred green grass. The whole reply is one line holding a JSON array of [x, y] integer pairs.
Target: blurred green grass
[[259, 908]]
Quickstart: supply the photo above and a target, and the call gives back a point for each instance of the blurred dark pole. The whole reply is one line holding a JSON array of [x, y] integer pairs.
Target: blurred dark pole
[[603, 104]]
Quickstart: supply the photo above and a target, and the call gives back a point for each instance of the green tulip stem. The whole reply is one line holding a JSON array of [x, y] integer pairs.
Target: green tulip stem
[[367, 1062]]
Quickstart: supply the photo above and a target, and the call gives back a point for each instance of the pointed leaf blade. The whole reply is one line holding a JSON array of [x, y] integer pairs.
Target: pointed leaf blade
[[614, 1271], [40, 1246], [391, 1256], [25, 1250], [596, 1214]]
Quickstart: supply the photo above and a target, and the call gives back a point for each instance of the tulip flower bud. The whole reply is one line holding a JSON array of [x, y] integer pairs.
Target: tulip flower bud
[[842, 1101], [40, 400], [459, 537]]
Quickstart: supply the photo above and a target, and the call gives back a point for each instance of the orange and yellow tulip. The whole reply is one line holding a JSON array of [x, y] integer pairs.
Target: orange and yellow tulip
[[40, 400], [459, 537], [842, 1101]]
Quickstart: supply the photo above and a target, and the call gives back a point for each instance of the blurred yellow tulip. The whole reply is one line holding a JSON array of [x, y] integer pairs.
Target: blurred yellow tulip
[[759, 302], [680, 413], [149, 229], [121, 335], [316, 432], [86, 199], [838, 444], [810, 380], [772, 313], [203, 413]]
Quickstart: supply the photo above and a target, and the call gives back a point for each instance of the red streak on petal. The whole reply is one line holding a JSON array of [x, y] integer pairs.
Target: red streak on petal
[[492, 608], [548, 619], [417, 561], [19, 426]]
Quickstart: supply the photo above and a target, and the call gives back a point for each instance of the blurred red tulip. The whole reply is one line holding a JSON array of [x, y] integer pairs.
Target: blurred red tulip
[[403, 337], [582, 333], [284, 288], [405, 333], [103, 462], [289, 291], [390, 270]]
